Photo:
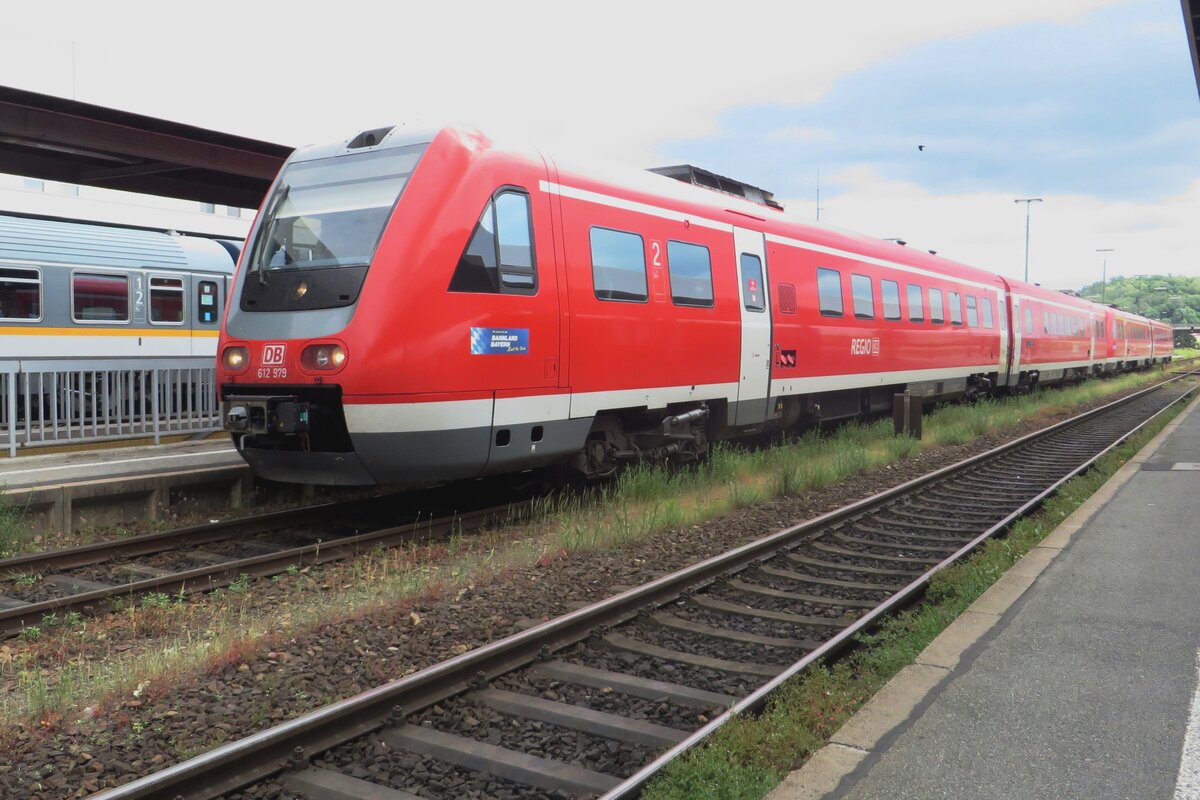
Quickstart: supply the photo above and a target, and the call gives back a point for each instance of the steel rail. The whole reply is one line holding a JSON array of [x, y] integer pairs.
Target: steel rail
[[633, 785], [151, 543], [207, 578], [237, 764]]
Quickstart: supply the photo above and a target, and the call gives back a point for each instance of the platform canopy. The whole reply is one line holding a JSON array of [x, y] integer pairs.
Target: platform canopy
[[1191, 20], [55, 139]]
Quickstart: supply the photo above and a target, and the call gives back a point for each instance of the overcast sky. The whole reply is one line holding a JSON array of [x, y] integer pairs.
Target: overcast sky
[[1089, 104]]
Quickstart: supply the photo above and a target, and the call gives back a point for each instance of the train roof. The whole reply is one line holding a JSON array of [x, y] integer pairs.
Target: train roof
[[42, 241]]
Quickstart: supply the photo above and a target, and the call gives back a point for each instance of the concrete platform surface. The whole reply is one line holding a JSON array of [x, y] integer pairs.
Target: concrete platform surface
[[88, 465], [1075, 676]]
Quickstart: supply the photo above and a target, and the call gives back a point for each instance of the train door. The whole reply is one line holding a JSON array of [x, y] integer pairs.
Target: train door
[[1015, 348], [208, 292], [754, 381], [1002, 336]]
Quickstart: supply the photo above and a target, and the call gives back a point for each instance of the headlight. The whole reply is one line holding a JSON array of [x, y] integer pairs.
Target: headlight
[[323, 357], [235, 359]]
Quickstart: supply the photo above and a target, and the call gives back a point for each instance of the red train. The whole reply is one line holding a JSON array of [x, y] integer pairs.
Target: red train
[[420, 309]]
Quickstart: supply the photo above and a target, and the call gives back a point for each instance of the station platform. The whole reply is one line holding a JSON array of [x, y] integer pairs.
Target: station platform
[[84, 465], [71, 490], [1074, 676]]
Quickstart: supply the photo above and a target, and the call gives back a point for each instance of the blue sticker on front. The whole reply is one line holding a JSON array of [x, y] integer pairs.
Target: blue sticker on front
[[490, 341]]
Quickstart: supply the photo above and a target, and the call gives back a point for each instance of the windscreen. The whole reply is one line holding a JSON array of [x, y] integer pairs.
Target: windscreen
[[331, 212]]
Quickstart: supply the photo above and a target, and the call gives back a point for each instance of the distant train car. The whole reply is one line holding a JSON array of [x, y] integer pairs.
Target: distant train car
[[72, 290], [80, 303], [1162, 336], [1055, 335], [428, 308]]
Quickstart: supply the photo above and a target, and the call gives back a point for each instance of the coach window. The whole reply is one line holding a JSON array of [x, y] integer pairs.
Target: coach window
[[207, 311], [916, 308], [618, 265], [829, 292], [20, 294], [936, 313], [864, 296], [955, 308], [891, 299], [1045, 322], [1003, 314], [987, 313], [100, 297], [166, 301], [752, 283], [972, 311], [1028, 321], [499, 257], [689, 269]]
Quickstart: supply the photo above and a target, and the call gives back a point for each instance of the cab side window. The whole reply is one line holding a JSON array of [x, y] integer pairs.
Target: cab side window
[[499, 257]]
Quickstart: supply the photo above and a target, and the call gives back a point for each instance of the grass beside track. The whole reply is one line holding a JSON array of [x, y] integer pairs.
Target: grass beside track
[[749, 756], [647, 499], [67, 664]]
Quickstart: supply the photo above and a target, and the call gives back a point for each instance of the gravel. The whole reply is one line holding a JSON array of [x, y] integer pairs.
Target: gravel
[[277, 678]]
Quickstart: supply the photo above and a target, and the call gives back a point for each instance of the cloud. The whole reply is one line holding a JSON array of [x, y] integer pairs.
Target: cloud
[[799, 134], [617, 79], [987, 230], [1083, 108]]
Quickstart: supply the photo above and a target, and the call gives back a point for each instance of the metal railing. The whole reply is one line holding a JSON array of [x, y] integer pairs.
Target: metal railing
[[57, 402]]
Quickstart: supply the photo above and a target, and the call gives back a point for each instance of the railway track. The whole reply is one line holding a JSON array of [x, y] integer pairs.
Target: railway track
[[596, 702], [91, 579]]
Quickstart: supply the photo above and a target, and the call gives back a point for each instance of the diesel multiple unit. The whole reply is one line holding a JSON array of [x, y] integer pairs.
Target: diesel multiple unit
[[413, 309]]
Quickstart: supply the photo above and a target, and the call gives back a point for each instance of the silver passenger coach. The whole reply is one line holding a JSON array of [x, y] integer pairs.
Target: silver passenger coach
[[107, 332]]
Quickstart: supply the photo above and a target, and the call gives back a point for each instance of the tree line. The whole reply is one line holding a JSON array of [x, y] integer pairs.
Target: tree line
[[1173, 299]]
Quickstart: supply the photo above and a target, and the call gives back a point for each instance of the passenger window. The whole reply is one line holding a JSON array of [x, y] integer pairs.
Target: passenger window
[[987, 313], [891, 299], [864, 296], [936, 313], [829, 292], [916, 309], [499, 257], [1028, 320], [166, 300], [20, 294], [100, 297], [752, 283], [1045, 323], [1003, 315], [689, 269], [972, 312], [955, 308], [618, 265], [207, 310]]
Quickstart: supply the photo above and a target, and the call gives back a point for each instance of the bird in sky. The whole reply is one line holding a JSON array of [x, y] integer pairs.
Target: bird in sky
[[921, 147]]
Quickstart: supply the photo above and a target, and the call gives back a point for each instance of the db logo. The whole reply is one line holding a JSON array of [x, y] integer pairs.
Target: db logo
[[273, 355]]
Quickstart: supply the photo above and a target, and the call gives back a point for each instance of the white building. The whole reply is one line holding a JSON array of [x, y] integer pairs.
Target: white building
[[33, 196]]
